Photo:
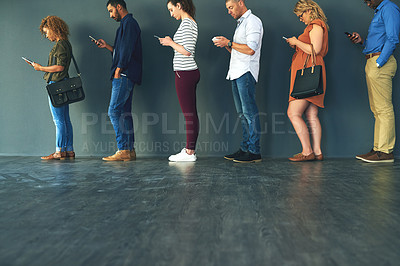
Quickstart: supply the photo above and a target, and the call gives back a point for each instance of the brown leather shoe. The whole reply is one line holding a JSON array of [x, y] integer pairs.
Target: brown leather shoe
[[360, 157], [133, 155], [319, 157], [379, 157], [55, 156], [70, 155], [302, 158], [124, 155]]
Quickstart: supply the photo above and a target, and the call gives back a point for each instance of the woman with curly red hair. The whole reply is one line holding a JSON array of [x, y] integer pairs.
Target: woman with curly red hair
[[56, 30]]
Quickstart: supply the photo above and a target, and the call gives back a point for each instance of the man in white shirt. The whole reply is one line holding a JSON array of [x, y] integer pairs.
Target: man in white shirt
[[244, 69]]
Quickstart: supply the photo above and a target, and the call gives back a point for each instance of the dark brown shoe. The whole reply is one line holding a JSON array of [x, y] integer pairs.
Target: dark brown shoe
[[319, 157], [133, 155], [302, 158], [55, 156], [70, 155], [380, 157], [360, 157]]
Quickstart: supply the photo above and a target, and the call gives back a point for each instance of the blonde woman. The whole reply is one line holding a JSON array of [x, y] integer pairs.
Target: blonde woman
[[315, 33], [56, 30]]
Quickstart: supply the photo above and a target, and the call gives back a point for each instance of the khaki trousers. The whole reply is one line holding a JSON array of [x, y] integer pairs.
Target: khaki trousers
[[379, 82]]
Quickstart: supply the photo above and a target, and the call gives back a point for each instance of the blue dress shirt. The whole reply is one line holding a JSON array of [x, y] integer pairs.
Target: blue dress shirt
[[383, 34]]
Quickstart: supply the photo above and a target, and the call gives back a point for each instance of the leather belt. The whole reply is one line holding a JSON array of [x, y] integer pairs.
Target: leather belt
[[368, 56]]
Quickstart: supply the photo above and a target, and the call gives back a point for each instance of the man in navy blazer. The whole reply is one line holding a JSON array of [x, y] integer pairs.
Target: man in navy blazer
[[126, 71]]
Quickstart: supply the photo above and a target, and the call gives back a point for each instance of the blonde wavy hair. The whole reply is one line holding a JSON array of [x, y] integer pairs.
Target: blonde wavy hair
[[56, 25], [316, 11]]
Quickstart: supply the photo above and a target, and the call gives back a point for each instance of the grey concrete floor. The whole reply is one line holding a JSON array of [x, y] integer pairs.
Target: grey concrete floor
[[212, 212]]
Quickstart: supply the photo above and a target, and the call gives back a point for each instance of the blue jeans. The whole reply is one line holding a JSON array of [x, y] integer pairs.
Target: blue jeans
[[120, 112], [244, 95], [62, 121]]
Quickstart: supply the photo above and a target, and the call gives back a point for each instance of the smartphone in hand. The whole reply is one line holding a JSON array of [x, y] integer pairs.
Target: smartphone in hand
[[28, 61], [93, 39], [348, 34]]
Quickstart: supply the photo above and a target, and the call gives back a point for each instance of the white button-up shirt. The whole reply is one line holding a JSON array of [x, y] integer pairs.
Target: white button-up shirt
[[250, 32]]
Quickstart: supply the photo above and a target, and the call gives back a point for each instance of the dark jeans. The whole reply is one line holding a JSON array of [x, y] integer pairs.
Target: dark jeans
[[120, 112]]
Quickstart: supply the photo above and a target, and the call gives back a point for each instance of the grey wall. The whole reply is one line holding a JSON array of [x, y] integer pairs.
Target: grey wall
[[26, 127]]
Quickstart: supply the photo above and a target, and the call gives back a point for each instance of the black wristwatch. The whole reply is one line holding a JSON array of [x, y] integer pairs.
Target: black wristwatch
[[230, 44]]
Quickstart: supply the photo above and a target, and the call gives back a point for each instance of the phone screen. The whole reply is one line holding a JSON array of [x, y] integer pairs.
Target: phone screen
[[27, 60], [92, 38]]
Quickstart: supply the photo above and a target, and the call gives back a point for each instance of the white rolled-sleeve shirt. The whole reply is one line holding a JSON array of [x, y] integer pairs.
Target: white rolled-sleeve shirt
[[249, 31]]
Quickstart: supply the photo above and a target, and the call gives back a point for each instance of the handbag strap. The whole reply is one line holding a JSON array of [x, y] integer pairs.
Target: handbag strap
[[314, 55], [313, 58], [75, 64]]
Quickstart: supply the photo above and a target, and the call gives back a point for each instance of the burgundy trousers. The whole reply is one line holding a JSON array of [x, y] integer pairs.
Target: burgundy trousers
[[186, 84]]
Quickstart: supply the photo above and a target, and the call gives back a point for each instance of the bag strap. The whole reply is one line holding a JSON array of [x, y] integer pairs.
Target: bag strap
[[314, 55], [313, 58], [75, 64]]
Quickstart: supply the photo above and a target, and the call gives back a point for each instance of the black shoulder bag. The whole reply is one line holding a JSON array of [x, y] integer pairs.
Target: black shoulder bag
[[308, 80], [66, 91]]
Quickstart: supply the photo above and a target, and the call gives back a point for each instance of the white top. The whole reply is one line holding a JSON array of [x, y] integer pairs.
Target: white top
[[249, 31], [186, 35]]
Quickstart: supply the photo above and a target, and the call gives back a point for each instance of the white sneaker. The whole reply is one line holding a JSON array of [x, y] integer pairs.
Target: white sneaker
[[183, 157]]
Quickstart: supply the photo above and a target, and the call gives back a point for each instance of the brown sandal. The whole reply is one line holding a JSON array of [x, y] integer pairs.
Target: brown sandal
[[300, 157], [319, 157]]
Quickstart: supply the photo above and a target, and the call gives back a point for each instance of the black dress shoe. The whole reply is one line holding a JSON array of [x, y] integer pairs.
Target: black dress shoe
[[248, 157], [235, 155]]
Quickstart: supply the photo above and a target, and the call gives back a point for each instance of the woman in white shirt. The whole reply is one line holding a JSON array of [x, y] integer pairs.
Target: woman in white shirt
[[187, 74]]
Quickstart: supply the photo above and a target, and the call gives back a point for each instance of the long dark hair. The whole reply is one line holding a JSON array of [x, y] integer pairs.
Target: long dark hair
[[187, 6]]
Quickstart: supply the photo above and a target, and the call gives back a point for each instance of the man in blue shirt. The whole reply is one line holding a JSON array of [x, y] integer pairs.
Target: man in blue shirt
[[383, 36], [126, 71]]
